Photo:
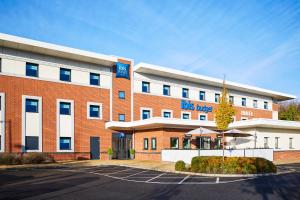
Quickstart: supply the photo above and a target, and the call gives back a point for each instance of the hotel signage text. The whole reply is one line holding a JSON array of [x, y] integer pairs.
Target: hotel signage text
[[187, 105], [122, 70]]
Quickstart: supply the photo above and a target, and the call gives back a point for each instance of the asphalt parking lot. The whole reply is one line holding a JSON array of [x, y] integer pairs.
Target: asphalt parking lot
[[118, 182]]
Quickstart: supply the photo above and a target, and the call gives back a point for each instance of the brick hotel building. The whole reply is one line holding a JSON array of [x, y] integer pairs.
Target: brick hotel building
[[76, 104]]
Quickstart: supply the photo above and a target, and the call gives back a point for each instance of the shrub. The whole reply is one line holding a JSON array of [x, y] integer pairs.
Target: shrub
[[132, 151], [10, 159], [28, 158], [232, 165], [110, 151], [180, 166]]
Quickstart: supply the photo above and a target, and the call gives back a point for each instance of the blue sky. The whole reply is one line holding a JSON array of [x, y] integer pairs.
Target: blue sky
[[252, 42]]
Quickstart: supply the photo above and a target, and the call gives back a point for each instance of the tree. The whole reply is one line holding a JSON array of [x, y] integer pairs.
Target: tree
[[290, 111], [225, 111]]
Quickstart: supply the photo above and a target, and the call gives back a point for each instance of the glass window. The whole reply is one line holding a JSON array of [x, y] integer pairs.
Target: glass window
[[174, 143], [167, 90], [145, 143], [32, 105], [204, 142], [254, 103], [145, 87], [94, 111], [32, 69], [276, 142], [265, 105], [65, 108], [94, 79], [217, 143], [185, 93], [231, 99], [65, 74], [64, 143], [167, 114], [202, 117], [202, 96], [185, 116], [186, 143], [244, 101], [266, 142], [217, 98], [121, 94], [31, 142], [153, 143], [146, 114], [291, 143], [121, 117]]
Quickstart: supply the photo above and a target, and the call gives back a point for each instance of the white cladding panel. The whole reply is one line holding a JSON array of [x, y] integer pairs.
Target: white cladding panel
[[14, 67], [81, 77], [49, 72], [105, 81], [65, 126], [32, 124]]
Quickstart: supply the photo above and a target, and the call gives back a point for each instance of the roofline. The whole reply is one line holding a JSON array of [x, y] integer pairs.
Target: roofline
[[160, 122], [35, 46], [213, 81]]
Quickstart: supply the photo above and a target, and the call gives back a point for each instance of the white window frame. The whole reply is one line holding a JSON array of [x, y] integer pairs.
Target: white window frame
[[266, 142], [57, 125], [166, 110], [276, 142], [184, 112], [88, 110], [205, 94], [291, 142], [3, 121], [145, 108], [255, 100], [40, 112], [204, 114]]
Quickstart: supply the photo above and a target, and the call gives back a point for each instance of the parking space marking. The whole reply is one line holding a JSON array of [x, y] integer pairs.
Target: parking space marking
[[120, 171], [135, 174], [184, 179], [155, 177], [217, 180]]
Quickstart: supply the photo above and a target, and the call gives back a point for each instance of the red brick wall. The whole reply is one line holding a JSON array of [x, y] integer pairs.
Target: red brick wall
[[14, 88], [157, 103], [121, 106], [286, 155]]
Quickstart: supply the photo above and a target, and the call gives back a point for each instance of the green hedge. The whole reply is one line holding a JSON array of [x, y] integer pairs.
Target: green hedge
[[27, 158], [232, 165], [180, 166]]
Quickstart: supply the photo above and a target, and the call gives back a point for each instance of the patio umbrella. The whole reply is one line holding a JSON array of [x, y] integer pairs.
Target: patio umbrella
[[236, 133]]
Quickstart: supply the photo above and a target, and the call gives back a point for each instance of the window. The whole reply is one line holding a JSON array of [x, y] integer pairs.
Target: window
[[244, 101], [254, 103], [291, 143], [153, 143], [218, 143], [266, 142], [166, 90], [121, 94], [121, 117], [0, 64], [32, 69], [174, 143], [65, 74], [185, 93], [203, 142], [276, 142], [65, 143], [185, 116], [217, 98], [202, 117], [146, 114], [94, 79], [32, 143], [94, 111], [65, 108], [32, 105], [266, 105], [231, 99], [244, 118], [167, 114], [145, 87], [145, 143], [202, 96], [186, 143]]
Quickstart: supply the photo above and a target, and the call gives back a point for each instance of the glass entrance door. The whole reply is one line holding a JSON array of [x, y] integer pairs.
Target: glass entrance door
[[121, 144]]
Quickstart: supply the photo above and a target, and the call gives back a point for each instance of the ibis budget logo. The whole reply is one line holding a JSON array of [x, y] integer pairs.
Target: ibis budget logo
[[187, 105], [122, 70]]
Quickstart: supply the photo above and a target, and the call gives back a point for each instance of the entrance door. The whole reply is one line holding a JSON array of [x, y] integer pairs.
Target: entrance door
[[121, 144], [95, 147]]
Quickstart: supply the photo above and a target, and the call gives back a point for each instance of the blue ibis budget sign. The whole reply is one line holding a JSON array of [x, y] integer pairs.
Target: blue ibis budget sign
[[187, 105], [122, 70]]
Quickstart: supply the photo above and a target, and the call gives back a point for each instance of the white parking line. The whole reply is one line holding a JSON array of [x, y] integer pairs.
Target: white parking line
[[155, 177], [136, 174], [217, 180], [119, 171], [184, 179]]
